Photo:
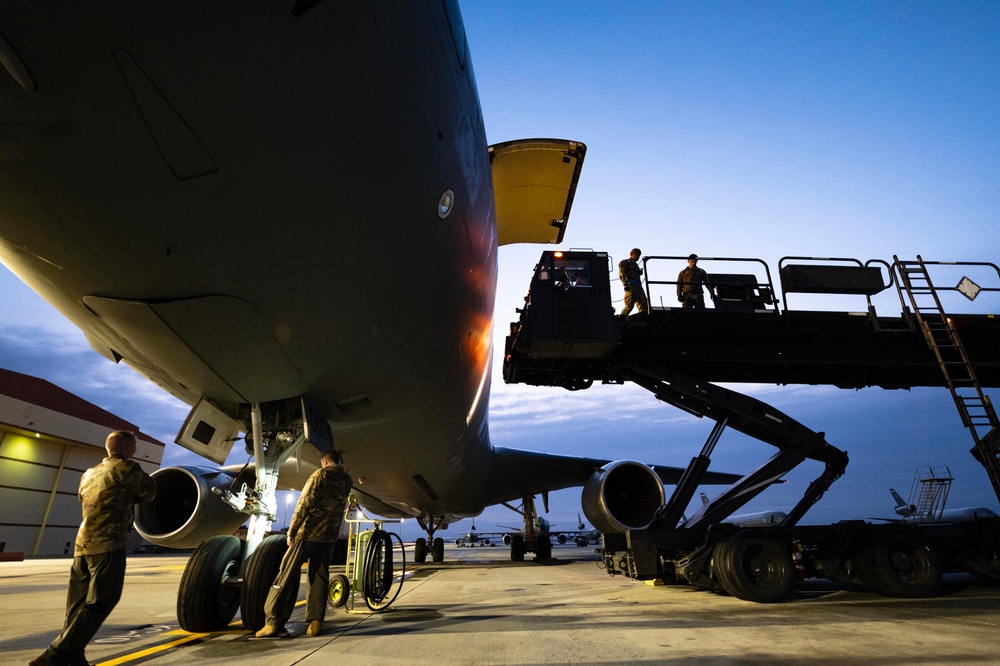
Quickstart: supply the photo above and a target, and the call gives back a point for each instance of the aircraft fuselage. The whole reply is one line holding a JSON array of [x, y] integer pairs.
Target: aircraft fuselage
[[157, 189]]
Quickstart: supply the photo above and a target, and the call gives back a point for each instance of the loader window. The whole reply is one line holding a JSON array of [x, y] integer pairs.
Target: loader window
[[569, 272]]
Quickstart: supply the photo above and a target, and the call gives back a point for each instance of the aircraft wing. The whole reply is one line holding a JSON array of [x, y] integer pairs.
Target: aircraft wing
[[515, 474], [483, 536]]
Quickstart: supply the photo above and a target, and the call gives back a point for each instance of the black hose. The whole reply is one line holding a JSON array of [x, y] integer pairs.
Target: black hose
[[378, 573]]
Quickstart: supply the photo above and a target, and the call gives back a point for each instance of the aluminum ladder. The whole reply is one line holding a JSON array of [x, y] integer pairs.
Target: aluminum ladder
[[942, 338]]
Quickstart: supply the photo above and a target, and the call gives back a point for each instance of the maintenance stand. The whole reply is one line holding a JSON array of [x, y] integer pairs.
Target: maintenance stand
[[568, 335]]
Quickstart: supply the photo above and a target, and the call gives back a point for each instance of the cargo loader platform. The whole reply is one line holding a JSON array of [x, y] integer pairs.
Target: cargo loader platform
[[568, 335]]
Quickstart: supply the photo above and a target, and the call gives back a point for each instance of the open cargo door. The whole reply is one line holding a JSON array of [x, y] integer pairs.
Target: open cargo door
[[534, 182]]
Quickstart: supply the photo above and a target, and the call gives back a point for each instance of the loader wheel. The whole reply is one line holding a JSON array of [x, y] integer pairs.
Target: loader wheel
[[339, 588], [262, 569], [754, 568], [900, 563], [204, 602]]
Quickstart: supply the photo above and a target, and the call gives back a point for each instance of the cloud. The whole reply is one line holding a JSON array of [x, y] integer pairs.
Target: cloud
[[64, 358]]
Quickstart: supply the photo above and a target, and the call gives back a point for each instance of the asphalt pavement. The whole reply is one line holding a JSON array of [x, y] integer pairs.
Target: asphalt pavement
[[478, 607]]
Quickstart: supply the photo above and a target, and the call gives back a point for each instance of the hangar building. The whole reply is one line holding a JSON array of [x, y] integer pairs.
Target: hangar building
[[48, 438]]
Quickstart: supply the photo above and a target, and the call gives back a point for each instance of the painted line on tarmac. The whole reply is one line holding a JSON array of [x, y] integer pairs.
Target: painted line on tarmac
[[156, 649], [186, 638]]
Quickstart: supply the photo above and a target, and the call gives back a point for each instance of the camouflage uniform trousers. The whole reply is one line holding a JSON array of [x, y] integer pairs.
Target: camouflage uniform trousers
[[95, 586], [693, 300], [281, 597], [635, 297]]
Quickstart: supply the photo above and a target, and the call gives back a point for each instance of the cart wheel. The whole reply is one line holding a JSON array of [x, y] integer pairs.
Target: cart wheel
[[339, 587]]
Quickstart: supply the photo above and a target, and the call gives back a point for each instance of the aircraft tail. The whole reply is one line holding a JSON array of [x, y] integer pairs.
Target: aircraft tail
[[902, 508]]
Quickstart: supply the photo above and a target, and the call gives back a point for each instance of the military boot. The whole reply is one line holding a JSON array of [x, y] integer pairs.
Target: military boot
[[272, 631]]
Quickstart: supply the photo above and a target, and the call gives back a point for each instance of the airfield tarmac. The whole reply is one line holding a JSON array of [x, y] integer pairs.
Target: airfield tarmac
[[477, 607]]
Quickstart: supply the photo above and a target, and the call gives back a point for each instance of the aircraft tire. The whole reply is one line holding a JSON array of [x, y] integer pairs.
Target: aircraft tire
[[420, 551], [262, 569], [754, 568], [203, 602], [437, 550], [898, 562], [543, 548], [339, 554], [516, 548], [339, 589]]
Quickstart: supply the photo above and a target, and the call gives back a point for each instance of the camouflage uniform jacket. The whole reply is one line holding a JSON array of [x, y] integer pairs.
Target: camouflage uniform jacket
[[107, 493], [690, 279], [321, 506], [629, 272]]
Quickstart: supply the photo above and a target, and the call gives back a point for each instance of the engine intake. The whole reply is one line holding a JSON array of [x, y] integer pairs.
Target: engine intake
[[622, 495], [185, 511]]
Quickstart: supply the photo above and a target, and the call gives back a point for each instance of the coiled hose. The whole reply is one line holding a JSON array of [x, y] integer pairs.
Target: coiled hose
[[379, 573]]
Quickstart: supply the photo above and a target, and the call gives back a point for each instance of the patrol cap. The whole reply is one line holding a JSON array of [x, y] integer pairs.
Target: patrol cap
[[693, 256]]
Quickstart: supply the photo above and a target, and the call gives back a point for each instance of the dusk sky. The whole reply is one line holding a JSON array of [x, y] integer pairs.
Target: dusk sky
[[729, 129]]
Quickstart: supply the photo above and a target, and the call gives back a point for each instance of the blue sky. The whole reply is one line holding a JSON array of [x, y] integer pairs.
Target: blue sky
[[751, 129]]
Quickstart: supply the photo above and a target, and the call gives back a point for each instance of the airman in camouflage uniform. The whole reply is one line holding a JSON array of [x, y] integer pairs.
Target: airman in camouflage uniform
[[689, 285], [108, 493], [312, 533], [631, 276]]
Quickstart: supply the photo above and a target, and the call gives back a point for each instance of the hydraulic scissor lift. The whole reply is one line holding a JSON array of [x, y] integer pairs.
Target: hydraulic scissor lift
[[569, 335]]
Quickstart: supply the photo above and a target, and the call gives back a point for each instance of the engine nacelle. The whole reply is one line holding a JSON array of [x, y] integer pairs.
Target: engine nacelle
[[622, 495], [185, 511]]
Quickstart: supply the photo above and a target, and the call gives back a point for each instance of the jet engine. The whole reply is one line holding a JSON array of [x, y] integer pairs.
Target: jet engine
[[622, 495], [186, 511]]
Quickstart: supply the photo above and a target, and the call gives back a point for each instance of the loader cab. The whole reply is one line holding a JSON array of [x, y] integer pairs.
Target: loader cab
[[570, 303]]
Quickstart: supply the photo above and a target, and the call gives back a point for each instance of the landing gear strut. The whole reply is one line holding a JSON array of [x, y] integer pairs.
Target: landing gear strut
[[436, 543], [535, 537], [223, 574]]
